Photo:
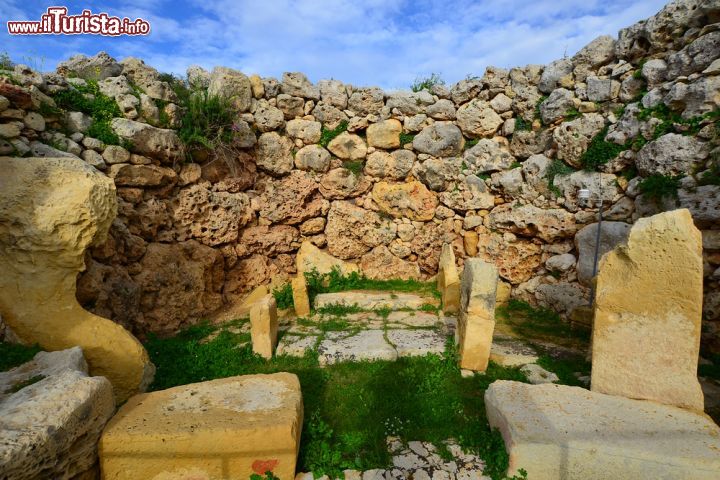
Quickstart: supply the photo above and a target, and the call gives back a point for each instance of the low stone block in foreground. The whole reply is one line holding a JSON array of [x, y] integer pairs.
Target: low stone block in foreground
[[648, 309], [222, 429], [476, 320], [51, 417], [556, 432]]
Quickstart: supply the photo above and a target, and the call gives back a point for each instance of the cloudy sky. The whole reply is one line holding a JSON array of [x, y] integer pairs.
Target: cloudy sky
[[388, 43]]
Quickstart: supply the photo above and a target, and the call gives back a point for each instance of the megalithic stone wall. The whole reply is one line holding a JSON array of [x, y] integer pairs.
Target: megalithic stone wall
[[646, 335], [51, 211]]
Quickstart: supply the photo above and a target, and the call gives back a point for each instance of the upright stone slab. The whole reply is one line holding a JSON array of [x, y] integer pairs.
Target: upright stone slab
[[300, 296], [51, 211], [646, 332], [264, 326], [476, 320], [557, 432], [448, 280], [222, 429]]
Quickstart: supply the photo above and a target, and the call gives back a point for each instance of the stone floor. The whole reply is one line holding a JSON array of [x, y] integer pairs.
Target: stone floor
[[419, 461]]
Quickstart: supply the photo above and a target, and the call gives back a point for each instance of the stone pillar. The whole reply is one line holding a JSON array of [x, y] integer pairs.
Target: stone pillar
[[264, 326], [476, 320], [448, 280], [300, 296], [646, 332], [51, 211]]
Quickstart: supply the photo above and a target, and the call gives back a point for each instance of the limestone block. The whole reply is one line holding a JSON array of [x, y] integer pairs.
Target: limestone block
[[300, 296], [504, 290], [648, 307], [264, 326], [221, 429], [556, 432], [310, 258], [49, 428], [51, 211], [448, 280], [476, 320]]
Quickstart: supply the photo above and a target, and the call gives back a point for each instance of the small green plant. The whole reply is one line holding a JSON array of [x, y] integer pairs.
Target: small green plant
[[208, 121], [355, 166], [269, 475], [471, 143], [600, 151], [5, 62], [284, 297], [572, 114], [658, 186], [88, 99], [326, 136], [427, 83], [711, 176], [13, 354], [429, 307], [406, 138], [557, 167], [538, 104], [25, 383], [339, 309], [515, 165], [522, 125]]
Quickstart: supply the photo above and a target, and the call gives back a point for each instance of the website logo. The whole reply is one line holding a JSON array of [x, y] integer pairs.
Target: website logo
[[56, 21]]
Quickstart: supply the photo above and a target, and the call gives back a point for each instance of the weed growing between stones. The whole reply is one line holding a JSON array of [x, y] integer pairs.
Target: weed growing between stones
[[600, 151], [284, 297], [348, 406], [13, 354], [354, 166], [328, 135], [339, 309], [406, 138], [657, 186], [566, 367], [557, 167], [427, 83]]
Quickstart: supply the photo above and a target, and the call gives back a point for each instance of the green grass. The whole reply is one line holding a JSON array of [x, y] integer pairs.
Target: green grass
[[284, 297], [355, 166], [657, 186], [427, 83], [337, 282], [571, 114], [470, 143], [339, 309], [13, 355], [565, 367], [88, 99], [522, 125], [350, 408], [406, 138], [328, 135], [539, 323], [600, 151], [207, 122], [557, 167]]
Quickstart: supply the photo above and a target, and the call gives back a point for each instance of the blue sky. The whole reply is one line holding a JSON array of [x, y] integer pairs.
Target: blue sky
[[387, 43]]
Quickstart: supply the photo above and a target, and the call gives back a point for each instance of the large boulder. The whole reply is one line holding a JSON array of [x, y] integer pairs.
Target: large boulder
[[45, 228], [232, 85], [478, 119], [298, 85], [612, 234], [385, 134], [381, 264], [560, 432], [352, 231], [671, 154], [488, 155], [292, 199], [409, 200], [274, 154], [573, 138], [441, 139], [52, 414], [97, 67], [529, 220], [310, 258], [160, 143], [646, 343]]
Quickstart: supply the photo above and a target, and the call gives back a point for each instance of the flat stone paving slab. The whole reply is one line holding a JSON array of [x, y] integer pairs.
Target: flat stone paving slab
[[414, 319], [557, 432], [365, 345], [371, 300], [417, 343], [512, 353], [216, 429], [295, 346]]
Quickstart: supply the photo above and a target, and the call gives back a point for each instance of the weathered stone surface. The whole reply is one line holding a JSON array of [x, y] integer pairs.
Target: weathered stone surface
[[45, 229], [556, 106], [367, 345], [268, 240], [268, 118], [366, 100], [381, 264], [437, 173], [291, 200], [211, 217], [602, 89], [298, 85], [611, 235], [470, 194], [478, 119], [300, 296], [441, 139], [516, 261], [352, 231], [671, 154], [305, 130], [348, 146], [417, 343], [310, 258], [264, 326], [512, 353], [395, 165], [561, 297], [549, 225], [64, 399], [573, 138], [274, 154], [553, 73], [232, 85], [427, 243], [205, 430], [448, 280], [603, 186], [160, 143], [370, 300], [537, 375], [476, 320], [646, 346], [312, 157], [126, 175], [341, 183], [333, 93], [385, 134], [97, 67], [410, 200], [556, 431], [595, 54], [488, 155]]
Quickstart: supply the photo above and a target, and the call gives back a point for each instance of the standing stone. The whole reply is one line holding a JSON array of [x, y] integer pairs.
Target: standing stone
[[646, 335], [476, 321], [300, 295], [264, 326], [448, 280], [45, 229]]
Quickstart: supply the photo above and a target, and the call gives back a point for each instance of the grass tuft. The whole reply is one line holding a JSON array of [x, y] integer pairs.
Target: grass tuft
[[13, 354]]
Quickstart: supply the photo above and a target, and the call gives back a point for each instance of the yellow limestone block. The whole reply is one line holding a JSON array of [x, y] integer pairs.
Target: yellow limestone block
[[218, 430], [264, 326], [448, 280], [300, 296], [51, 211], [504, 290], [476, 320], [648, 308]]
